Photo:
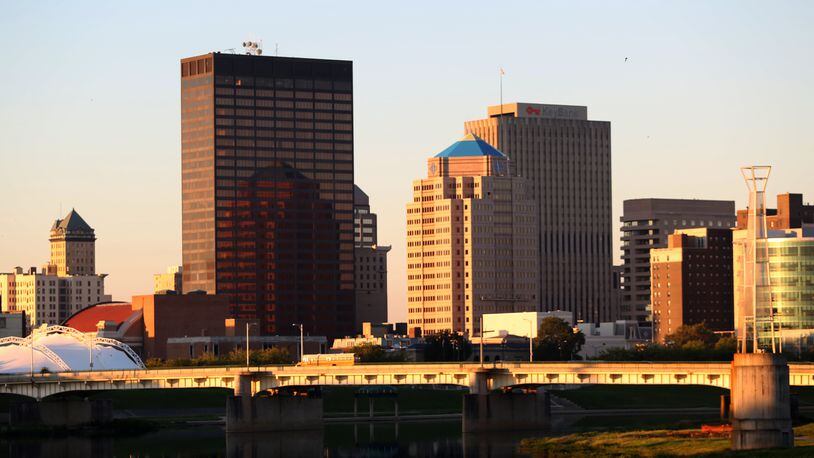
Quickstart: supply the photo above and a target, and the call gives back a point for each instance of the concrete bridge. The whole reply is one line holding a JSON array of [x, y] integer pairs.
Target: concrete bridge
[[472, 375], [758, 383]]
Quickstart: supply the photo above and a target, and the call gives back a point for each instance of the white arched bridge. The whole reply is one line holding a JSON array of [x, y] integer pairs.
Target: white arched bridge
[[472, 375]]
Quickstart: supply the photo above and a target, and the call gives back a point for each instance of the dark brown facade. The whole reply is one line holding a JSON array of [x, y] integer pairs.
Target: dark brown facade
[[267, 177], [691, 281], [791, 213]]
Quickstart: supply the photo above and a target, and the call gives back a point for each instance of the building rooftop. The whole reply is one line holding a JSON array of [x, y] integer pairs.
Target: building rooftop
[[470, 146], [85, 320], [71, 224]]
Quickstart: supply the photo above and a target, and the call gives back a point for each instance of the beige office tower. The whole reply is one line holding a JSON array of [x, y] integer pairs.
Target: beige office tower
[[567, 159], [472, 241]]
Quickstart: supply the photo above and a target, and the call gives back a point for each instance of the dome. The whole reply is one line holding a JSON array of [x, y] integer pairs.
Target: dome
[[63, 349]]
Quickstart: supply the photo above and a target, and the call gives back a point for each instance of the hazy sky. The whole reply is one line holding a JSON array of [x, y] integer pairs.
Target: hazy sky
[[90, 118]]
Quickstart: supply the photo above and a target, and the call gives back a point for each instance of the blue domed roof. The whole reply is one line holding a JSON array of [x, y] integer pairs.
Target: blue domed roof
[[470, 145]]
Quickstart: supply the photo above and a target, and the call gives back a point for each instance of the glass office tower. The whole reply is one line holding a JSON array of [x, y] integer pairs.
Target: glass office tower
[[267, 185]]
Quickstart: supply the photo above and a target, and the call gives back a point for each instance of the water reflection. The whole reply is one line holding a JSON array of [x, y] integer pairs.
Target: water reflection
[[418, 438]]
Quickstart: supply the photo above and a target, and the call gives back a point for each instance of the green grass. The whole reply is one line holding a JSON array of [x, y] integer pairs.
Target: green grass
[[643, 396], [656, 443]]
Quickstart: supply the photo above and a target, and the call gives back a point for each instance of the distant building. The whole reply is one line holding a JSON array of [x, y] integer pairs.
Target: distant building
[[371, 263], [197, 346], [520, 323], [267, 178], [149, 320], [567, 159], [66, 284], [691, 281], [790, 213], [646, 223], [615, 334], [381, 329], [171, 280], [791, 280], [472, 241], [73, 247], [12, 324]]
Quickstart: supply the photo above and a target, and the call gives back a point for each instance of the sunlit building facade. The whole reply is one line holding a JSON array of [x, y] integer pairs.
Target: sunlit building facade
[[66, 284], [472, 241], [567, 159], [789, 318], [267, 178]]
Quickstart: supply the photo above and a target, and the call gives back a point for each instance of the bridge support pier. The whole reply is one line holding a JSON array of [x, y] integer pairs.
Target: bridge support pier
[[246, 413], [760, 402], [506, 412], [61, 413]]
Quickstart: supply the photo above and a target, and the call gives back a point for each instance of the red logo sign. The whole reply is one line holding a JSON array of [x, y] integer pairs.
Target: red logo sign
[[533, 111]]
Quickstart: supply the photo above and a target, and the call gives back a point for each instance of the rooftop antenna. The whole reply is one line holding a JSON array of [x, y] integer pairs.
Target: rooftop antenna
[[277, 49], [253, 48]]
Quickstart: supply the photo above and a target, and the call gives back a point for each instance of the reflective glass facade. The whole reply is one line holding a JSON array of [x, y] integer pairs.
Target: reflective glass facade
[[791, 277], [267, 165]]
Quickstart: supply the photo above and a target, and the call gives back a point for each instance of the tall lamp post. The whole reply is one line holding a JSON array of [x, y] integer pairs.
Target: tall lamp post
[[248, 325], [302, 340], [481, 339], [531, 333]]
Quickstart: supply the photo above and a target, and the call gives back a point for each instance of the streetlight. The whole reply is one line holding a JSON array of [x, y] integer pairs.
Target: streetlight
[[531, 332], [302, 340], [248, 325], [481, 340], [31, 336]]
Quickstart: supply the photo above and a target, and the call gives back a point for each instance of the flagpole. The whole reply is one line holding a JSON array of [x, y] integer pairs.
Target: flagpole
[[501, 92]]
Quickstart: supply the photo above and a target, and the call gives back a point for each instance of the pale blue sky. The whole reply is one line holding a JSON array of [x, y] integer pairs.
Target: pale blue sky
[[89, 102]]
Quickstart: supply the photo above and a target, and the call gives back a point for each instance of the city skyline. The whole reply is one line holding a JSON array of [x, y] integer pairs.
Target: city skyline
[[707, 71]]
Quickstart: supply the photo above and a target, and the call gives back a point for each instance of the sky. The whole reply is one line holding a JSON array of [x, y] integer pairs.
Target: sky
[[90, 102]]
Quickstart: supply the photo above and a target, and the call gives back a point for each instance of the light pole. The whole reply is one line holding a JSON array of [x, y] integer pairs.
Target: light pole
[[302, 340], [90, 351], [531, 348], [481, 340], [33, 330], [248, 325]]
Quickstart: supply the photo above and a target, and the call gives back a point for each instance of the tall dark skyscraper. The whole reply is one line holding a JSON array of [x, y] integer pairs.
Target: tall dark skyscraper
[[567, 158], [267, 185]]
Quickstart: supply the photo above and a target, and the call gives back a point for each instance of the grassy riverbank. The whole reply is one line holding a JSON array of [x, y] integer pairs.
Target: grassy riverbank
[[657, 443]]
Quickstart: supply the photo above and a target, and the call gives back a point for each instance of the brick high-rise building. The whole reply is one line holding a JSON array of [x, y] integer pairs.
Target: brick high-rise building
[[567, 159], [472, 241], [791, 213], [267, 173], [691, 281], [646, 223]]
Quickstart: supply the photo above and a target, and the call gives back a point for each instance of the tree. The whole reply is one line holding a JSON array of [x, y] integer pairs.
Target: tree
[[371, 353], [693, 342], [692, 332], [557, 341], [447, 346]]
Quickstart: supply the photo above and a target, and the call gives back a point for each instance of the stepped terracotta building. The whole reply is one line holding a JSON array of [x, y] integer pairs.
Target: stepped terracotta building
[[472, 241]]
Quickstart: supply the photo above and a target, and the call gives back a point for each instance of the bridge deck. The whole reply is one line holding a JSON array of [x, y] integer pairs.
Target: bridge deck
[[500, 375]]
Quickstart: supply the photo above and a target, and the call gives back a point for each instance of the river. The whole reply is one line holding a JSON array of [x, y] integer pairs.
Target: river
[[378, 439]]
